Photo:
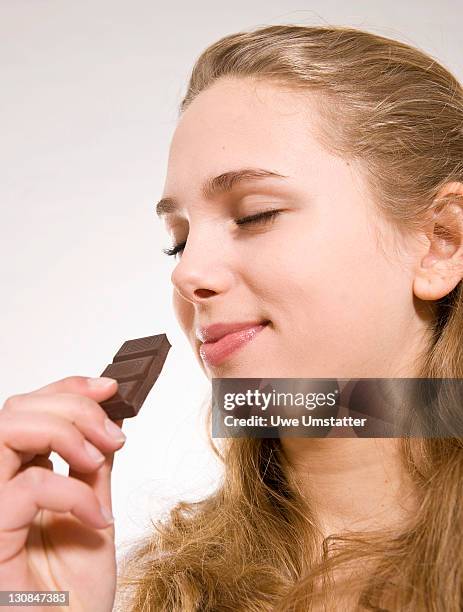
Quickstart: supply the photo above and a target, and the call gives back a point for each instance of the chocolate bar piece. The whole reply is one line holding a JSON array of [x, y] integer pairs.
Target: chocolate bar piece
[[136, 367]]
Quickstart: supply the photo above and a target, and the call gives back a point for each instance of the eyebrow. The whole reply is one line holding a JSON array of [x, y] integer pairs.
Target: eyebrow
[[223, 183]]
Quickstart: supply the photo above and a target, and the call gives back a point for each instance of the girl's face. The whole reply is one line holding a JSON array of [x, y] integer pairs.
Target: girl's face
[[321, 287]]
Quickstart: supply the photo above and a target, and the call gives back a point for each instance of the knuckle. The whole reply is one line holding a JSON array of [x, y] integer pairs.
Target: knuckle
[[5, 453], [75, 381], [32, 477], [84, 406], [6, 421], [87, 407], [75, 405], [11, 402]]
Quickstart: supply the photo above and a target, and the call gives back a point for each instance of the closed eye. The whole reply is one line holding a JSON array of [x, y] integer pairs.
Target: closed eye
[[259, 218], [262, 217]]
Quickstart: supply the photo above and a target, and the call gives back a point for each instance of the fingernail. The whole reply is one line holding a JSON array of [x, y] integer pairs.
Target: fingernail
[[106, 514], [103, 382], [93, 452], [114, 431]]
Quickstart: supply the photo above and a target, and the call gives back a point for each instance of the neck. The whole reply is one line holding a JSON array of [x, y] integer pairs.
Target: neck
[[352, 483]]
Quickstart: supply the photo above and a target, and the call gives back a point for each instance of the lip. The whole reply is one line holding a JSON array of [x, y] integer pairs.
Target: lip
[[214, 332], [220, 340]]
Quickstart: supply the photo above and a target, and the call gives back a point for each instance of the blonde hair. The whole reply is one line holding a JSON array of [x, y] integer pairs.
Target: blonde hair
[[254, 544]]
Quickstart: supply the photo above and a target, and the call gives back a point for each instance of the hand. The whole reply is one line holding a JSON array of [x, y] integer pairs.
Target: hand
[[56, 532]]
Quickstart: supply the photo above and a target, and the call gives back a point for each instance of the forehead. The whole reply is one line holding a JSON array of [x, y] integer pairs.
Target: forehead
[[242, 122]]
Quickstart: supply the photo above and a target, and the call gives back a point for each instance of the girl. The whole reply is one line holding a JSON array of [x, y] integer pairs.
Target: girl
[[313, 198]]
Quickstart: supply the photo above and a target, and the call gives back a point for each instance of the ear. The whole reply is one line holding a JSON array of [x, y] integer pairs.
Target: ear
[[440, 267]]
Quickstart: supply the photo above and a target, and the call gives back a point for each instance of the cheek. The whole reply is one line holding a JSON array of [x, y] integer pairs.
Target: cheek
[[324, 273], [184, 312]]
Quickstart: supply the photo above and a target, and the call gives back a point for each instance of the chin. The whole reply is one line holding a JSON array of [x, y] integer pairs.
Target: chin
[[240, 369]]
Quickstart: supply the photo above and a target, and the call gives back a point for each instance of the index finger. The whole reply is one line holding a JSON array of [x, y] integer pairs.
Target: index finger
[[98, 389], [84, 385]]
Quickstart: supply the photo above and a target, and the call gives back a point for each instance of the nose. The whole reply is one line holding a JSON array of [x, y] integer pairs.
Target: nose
[[203, 271]]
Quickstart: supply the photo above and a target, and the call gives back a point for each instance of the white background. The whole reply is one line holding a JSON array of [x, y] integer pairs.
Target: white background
[[89, 96]]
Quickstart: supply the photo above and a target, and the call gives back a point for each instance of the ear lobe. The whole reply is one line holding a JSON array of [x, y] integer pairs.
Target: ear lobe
[[441, 267]]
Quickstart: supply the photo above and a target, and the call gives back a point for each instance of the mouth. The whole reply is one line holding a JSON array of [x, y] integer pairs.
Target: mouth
[[221, 341]]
